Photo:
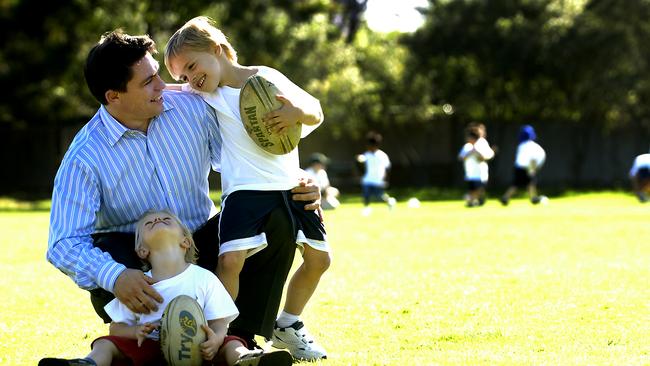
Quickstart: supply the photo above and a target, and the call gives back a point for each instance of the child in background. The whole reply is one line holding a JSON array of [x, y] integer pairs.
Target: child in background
[[375, 178], [254, 181], [640, 177], [316, 169], [166, 245], [474, 155], [528, 161]]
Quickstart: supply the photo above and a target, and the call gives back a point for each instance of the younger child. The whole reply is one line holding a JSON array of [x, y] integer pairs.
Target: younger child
[[254, 181], [640, 177], [316, 169], [375, 177], [166, 245], [528, 161], [474, 155]]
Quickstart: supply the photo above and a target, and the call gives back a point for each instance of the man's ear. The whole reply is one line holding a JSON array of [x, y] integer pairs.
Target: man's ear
[[143, 252], [112, 96]]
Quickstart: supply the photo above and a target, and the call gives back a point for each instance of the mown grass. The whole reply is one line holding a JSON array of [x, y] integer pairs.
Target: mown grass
[[561, 284]]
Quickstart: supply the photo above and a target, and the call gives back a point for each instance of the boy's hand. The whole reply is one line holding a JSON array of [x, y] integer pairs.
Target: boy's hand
[[211, 346], [286, 116], [143, 330]]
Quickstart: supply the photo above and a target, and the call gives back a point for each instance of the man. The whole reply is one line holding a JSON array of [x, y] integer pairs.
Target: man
[[150, 149]]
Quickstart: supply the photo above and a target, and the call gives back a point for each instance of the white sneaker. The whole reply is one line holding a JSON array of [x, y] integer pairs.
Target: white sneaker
[[298, 341], [366, 211]]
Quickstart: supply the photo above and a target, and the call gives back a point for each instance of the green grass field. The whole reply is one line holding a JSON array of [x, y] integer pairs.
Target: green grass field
[[561, 284]]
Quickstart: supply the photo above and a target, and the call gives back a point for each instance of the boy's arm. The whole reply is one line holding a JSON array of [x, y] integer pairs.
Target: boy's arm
[[138, 332], [216, 332], [298, 106]]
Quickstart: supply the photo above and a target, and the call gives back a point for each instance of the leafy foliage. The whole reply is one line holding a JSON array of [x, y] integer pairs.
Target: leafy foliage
[[547, 60]]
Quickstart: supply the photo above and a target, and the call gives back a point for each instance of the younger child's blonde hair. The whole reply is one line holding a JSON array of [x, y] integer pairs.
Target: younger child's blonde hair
[[198, 34], [191, 254]]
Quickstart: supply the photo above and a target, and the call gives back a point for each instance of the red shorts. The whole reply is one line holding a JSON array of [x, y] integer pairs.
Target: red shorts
[[148, 354]]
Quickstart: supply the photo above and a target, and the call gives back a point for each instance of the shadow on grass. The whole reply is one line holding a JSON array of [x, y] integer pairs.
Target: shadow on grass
[[14, 205]]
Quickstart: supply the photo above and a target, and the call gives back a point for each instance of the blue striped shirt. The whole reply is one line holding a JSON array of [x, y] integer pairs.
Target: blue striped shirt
[[111, 175]]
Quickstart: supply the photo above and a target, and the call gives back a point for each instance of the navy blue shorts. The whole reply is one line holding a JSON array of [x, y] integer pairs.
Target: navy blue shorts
[[473, 185], [643, 173], [370, 191], [521, 178], [244, 213]]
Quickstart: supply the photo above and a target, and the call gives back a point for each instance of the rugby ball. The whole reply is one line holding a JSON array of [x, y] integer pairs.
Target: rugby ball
[[256, 99], [181, 333]]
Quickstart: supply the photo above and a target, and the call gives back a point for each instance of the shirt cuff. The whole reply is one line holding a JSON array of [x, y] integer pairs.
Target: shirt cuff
[[108, 274]]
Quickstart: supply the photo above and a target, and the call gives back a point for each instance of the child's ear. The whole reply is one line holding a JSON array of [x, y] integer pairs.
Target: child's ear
[[217, 49], [185, 243], [143, 252]]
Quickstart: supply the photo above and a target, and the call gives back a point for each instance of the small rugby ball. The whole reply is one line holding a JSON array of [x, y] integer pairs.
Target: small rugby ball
[[256, 99], [181, 333]]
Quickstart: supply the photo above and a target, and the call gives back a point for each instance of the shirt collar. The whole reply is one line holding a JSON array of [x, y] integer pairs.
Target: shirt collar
[[115, 130]]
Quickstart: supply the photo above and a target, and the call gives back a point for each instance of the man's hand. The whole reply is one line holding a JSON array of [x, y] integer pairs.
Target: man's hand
[[133, 289], [308, 190]]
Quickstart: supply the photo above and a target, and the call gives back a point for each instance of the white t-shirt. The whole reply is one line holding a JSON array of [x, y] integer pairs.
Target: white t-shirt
[[529, 152], [475, 158], [641, 161], [244, 165], [194, 281], [376, 165]]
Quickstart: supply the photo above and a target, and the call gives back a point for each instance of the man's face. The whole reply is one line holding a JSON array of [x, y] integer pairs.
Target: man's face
[[201, 69], [142, 99]]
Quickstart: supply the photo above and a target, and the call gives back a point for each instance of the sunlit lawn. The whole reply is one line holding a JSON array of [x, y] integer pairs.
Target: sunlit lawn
[[561, 284]]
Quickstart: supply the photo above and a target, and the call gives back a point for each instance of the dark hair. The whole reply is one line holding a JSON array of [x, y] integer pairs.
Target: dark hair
[[473, 131], [374, 138], [109, 62]]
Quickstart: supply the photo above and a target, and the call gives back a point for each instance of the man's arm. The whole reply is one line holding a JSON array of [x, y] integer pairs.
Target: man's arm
[[75, 201]]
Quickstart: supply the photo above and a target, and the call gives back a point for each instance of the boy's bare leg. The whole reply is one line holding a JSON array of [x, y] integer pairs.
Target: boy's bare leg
[[305, 280], [228, 269], [505, 199], [232, 351], [532, 191], [290, 332], [104, 352]]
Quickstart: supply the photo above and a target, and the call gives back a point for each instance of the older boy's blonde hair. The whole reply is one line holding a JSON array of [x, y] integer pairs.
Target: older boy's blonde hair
[[191, 254], [198, 34]]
